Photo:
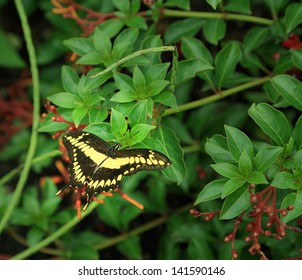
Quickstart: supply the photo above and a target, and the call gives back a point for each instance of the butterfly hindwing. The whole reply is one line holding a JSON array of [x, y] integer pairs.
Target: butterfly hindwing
[[100, 167], [141, 159]]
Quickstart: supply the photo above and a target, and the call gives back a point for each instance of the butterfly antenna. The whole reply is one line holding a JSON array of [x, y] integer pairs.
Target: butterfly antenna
[[131, 200]]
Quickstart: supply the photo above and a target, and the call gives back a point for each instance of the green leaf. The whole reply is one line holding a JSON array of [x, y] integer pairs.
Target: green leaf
[[252, 62], [188, 69], [102, 43], [257, 178], [30, 203], [238, 142], [157, 72], [49, 189], [155, 87], [118, 123], [80, 46], [93, 83], [80, 88], [109, 213], [266, 157], [70, 79], [198, 247], [124, 96], [34, 235], [123, 81], [93, 99], [166, 142], [283, 64], [235, 204], [193, 48], [9, 56], [180, 28], [65, 100], [254, 38], [48, 125], [276, 5], [226, 61], [21, 218], [128, 214], [245, 164], [131, 248], [91, 58], [122, 5], [272, 122], [123, 44], [298, 160], [289, 200], [297, 58], [136, 22], [78, 114], [211, 191], [103, 130], [238, 6], [182, 4], [297, 133], [284, 180], [214, 30], [158, 196], [139, 81], [97, 115], [297, 211], [290, 89], [232, 185], [293, 16], [139, 113], [226, 169], [167, 98], [50, 205], [80, 251], [214, 3], [135, 6], [153, 42], [217, 148], [111, 26], [139, 132]]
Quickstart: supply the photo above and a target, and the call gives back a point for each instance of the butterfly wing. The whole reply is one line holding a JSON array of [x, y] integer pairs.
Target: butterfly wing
[[90, 163], [135, 160], [100, 167]]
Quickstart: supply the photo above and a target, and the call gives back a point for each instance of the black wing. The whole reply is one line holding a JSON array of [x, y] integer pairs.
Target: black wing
[[141, 159], [100, 167]]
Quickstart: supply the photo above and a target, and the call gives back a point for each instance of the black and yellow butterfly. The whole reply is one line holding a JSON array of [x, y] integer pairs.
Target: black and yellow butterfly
[[100, 167]]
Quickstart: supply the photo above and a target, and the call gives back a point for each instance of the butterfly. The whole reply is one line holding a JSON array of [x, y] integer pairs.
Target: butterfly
[[100, 167]]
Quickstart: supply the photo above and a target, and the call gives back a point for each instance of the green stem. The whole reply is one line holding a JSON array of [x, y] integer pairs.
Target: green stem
[[225, 16], [36, 116], [133, 55], [103, 245], [7, 177], [215, 97], [148, 226], [61, 231]]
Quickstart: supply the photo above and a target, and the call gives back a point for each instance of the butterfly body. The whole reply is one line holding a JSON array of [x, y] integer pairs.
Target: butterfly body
[[100, 167]]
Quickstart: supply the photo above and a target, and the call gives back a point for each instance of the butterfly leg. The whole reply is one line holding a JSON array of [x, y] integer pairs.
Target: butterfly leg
[[131, 200], [101, 201], [77, 204], [107, 193]]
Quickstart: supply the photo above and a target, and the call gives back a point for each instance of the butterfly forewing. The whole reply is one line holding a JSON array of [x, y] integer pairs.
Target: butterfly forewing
[[100, 167]]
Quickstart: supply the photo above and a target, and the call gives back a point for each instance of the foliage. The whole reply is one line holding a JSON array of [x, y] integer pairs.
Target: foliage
[[217, 91]]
